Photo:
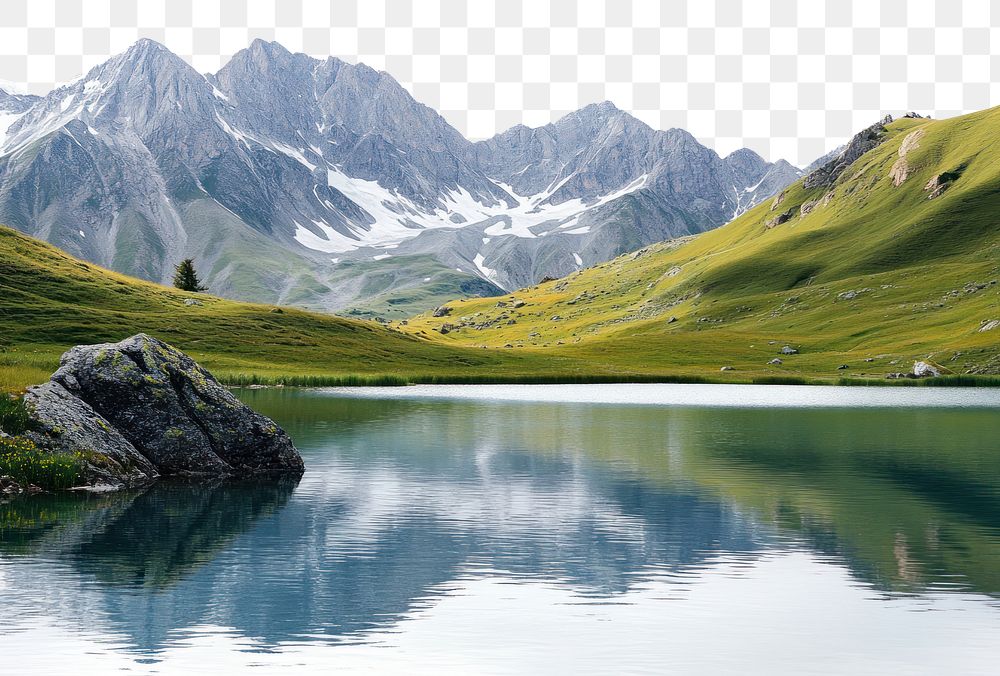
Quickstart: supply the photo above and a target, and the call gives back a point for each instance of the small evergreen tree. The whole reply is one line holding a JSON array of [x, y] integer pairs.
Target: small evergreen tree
[[185, 278]]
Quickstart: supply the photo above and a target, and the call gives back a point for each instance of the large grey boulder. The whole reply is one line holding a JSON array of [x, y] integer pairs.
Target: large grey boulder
[[67, 424], [174, 414]]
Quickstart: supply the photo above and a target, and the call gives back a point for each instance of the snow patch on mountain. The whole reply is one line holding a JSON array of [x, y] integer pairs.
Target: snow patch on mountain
[[534, 210], [296, 154], [395, 218], [329, 242], [240, 136], [488, 273], [28, 134], [7, 120]]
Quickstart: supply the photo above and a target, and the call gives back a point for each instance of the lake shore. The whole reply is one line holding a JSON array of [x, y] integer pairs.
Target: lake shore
[[253, 380], [12, 383]]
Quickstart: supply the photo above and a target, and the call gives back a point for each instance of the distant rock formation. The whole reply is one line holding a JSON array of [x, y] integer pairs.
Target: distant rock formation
[[139, 409], [900, 170], [921, 369], [861, 143]]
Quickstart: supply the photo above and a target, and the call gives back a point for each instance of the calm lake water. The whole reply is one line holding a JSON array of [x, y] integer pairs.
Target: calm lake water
[[541, 529]]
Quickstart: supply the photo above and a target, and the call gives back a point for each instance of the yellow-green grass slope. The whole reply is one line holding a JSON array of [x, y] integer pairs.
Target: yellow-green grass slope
[[874, 277], [50, 301]]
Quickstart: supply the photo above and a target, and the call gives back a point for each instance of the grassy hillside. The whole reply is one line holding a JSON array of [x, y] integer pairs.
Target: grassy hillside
[[50, 301], [875, 276]]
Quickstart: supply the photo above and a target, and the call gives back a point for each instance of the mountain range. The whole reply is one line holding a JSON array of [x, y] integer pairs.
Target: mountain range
[[886, 255], [324, 184]]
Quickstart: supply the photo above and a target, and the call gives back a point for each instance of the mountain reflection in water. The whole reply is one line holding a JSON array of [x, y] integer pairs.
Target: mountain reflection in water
[[407, 500]]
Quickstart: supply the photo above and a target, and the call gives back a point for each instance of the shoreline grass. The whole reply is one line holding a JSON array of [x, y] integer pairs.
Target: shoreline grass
[[22, 461], [386, 380], [305, 380], [28, 465], [940, 381], [14, 418]]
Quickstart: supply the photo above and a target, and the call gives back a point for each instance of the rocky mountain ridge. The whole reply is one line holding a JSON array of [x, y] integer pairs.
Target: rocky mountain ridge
[[325, 184]]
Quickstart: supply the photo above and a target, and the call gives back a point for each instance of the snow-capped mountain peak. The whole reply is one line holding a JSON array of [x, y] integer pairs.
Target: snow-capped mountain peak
[[263, 170]]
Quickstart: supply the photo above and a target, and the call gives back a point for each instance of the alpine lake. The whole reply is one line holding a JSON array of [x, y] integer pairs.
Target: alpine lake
[[607, 529]]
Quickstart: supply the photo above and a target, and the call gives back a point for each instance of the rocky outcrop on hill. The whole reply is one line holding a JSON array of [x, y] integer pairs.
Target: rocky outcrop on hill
[[921, 369], [138, 409], [807, 207], [938, 184], [778, 220], [861, 143], [900, 170]]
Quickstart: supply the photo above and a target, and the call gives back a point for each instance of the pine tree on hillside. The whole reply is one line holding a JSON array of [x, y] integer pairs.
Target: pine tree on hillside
[[185, 278]]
